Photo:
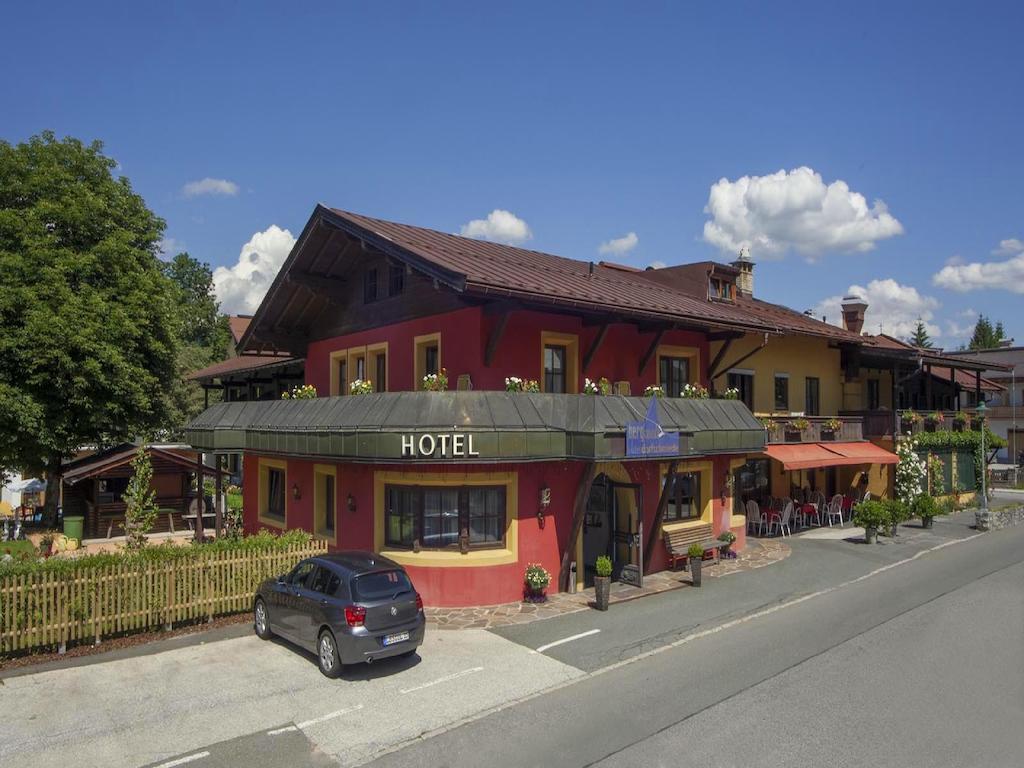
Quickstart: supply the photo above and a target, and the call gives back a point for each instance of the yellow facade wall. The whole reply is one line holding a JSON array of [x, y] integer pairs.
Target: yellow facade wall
[[798, 356]]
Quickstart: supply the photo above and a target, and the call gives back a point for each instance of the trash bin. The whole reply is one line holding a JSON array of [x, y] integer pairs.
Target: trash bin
[[73, 527]]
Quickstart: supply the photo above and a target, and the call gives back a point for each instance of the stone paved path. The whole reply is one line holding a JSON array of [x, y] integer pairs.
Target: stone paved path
[[758, 553]]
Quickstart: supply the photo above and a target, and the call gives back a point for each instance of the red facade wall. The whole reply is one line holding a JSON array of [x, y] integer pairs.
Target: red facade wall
[[464, 336], [485, 585]]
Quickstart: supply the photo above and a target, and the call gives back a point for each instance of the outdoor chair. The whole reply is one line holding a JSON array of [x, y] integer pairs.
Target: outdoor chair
[[815, 513], [835, 512], [781, 522], [755, 517]]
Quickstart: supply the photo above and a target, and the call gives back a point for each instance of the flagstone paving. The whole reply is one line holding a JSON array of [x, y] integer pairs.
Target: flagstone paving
[[758, 553]]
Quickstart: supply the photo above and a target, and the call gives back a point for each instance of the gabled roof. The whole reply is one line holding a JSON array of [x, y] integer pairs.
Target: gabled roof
[[242, 364], [110, 458], [238, 325], [886, 345]]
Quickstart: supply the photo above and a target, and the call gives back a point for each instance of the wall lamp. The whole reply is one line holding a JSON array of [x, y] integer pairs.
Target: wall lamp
[[544, 501], [350, 503], [296, 493]]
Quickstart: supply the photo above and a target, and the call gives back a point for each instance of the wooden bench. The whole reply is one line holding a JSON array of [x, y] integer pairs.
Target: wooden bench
[[678, 543]]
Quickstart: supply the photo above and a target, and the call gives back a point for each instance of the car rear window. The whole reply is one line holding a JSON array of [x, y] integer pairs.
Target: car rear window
[[380, 585]]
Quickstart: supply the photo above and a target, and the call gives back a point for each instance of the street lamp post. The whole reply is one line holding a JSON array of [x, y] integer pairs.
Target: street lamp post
[[983, 513]]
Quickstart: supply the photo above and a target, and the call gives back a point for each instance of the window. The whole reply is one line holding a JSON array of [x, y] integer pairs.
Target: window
[[673, 374], [554, 368], [781, 392], [396, 279], [720, 289], [744, 382], [325, 501], [274, 496], [358, 367], [111, 489], [301, 575], [325, 581], [369, 286], [874, 402], [684, 498], [343, 377], [812, 400], [380, 375], [428, 357], [437, 517], [751, 481], [379, 585]]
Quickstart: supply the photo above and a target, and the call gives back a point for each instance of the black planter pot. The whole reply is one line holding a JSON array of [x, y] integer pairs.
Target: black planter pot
[[870, 535], [926, 522], [696, 564], [602, 589]]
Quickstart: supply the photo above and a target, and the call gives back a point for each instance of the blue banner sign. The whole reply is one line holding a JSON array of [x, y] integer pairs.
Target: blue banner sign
[[647, 438]]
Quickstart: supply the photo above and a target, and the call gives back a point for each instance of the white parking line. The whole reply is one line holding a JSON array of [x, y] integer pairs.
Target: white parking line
[[286, 729], [444, 679], [581, 635], [183, 760], [330, 716]]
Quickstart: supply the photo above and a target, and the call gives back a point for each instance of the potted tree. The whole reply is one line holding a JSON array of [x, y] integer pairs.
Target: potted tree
[[870, 515], [896, 512], [926, 508], [727, 538], [602, 582], [695, 559]]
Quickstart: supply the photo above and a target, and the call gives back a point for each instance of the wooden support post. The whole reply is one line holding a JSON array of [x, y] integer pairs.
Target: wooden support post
[[218, 497], [578, 511], [928, 396], [199, 496], [595, 345], [659, 514], [97, 586], [713, 368], [650, 351], [492, 341]]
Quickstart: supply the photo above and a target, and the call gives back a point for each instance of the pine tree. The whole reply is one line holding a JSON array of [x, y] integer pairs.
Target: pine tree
[[920, 337], [985, 336]]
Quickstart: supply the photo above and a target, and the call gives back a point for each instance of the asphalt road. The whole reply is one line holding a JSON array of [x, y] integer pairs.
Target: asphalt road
[[918, 665]]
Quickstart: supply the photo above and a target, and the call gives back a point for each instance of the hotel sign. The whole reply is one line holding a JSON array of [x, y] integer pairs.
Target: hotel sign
[[647, 438], [446, 445]]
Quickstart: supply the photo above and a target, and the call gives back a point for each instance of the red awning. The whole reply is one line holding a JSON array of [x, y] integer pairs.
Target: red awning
[[812, 455]]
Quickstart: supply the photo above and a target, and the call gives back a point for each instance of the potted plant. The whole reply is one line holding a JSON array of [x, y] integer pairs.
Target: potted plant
[[654, 391], [910, 420], [436, 382], [732, 393], [959, 421], [831, 428], [934, 421], [537, 581], [795, 429], [694, 392], [602, 582], [695, 559], [768, 423], [590, 387], [727, 538], [926, 508], [361, 387], [870, 515], [896, 512]]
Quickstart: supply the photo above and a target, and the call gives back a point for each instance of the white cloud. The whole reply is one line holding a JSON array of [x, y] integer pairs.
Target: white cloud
[[620, 245], [796, 211], [241, 287], [169, 247], [210, 186], [1006, 275], [499, 227], [1009, 246], [892, 308]]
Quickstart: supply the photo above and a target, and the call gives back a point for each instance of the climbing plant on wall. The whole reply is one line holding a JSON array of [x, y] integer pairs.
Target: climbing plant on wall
[[910, 470], [961, 442]]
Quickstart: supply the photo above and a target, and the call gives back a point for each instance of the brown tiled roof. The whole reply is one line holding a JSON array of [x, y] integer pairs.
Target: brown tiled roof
[[239, 364], [238, 325], [493, 269]]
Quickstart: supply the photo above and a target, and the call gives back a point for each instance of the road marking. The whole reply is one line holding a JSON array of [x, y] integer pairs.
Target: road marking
[[183, 760], [287, 728], [444, 679], [329, 716], [588, 633]]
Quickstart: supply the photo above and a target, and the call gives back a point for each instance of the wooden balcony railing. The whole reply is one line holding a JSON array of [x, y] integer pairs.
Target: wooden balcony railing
[[817, 431], [884, 423]]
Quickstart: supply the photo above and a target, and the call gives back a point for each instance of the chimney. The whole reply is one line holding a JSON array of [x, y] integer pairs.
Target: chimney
[[745, 280], [854, 308]]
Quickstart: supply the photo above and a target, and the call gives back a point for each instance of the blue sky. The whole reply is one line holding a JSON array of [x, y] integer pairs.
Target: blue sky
[[586, 122]]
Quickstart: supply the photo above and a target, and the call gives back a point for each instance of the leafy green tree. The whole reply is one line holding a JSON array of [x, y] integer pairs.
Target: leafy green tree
[[986, 336], [920, 337], [88, 329], [140, 508], [203, 332]]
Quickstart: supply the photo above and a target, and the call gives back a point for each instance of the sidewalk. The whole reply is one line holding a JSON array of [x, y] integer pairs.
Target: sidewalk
[[758, 554]]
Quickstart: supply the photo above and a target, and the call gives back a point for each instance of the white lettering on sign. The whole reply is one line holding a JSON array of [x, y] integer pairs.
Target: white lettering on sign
[[446, 445]]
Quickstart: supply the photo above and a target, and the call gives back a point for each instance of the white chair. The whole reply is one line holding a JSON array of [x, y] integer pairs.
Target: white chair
[[781, 522], [814, 516], [835, 512], [755, 518]]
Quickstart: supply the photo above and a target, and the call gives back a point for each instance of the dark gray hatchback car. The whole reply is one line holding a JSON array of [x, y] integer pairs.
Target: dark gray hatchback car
[[346, 607]]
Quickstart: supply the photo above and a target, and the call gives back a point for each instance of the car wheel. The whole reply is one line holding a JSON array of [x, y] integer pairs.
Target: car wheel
[[261, 620], [327, 654]]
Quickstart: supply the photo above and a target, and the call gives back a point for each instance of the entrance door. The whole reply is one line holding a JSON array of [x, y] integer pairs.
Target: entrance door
[[612, 526]]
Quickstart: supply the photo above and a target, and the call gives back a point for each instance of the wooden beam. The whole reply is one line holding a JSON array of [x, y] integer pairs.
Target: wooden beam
[[492, 341], [650, 352], [284, 339], [578, 512], [743, 358], [320, 283], [713, 368], [595, 345], [659, 514]]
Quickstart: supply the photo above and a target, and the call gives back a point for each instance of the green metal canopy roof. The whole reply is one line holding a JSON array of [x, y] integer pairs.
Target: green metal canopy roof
[[425, 427]]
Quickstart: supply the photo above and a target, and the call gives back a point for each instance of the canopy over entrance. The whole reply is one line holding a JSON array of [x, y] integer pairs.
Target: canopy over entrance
[[481, 427], [812, 455]]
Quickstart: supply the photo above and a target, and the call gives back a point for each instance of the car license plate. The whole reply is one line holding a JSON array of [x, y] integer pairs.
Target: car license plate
[[400, 637]]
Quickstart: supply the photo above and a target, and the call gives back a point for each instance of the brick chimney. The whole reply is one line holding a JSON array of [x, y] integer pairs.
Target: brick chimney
[[854, 308], [745, 280]]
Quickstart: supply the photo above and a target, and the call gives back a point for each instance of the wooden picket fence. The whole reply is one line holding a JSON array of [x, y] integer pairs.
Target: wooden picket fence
[[53, 608]]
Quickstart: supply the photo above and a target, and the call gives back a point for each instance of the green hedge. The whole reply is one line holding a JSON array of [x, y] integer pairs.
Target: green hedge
[[162, 553], [960, 442]]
